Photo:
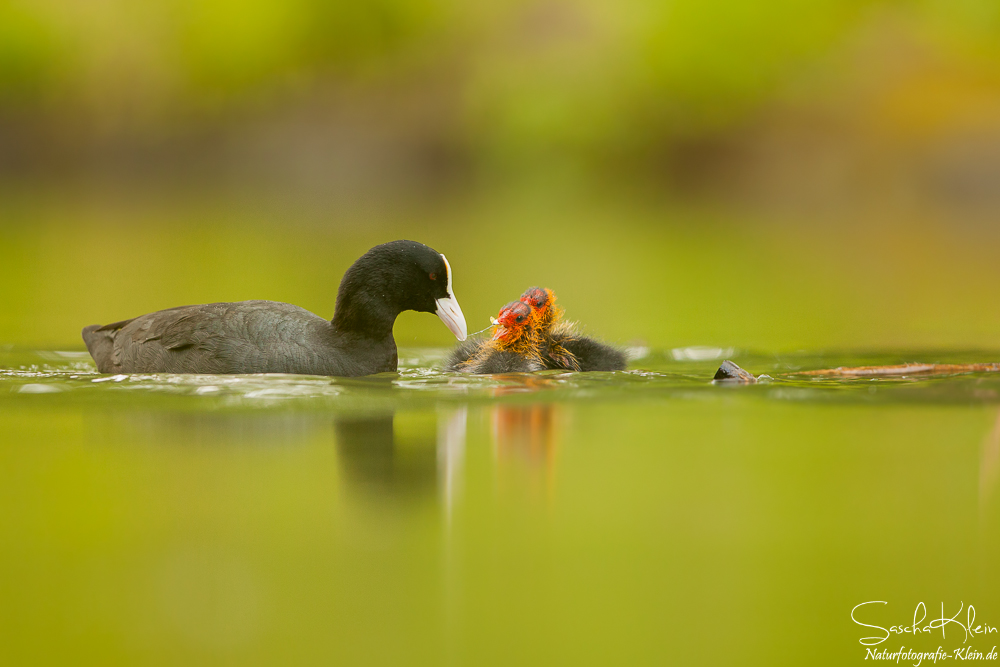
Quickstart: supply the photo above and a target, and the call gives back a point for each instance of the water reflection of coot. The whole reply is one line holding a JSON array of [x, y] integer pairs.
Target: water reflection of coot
[[375, 460]]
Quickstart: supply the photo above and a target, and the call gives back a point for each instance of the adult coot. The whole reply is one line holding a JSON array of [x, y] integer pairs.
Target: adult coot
[[513, 347], [271, 337], [562, 345]]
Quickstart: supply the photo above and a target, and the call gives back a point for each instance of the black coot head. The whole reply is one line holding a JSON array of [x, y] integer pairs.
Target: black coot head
[[405, 275]]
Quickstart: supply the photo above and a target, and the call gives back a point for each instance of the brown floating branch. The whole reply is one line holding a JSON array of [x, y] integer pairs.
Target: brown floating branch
[[903, 369]]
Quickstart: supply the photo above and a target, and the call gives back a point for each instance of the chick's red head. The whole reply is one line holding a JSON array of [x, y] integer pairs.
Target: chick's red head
[[512, 323], [543, 305]]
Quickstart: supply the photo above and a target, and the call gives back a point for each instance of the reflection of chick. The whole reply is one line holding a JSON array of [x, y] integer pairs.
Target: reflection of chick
[[562, 346], [513, 348], [526, 432]]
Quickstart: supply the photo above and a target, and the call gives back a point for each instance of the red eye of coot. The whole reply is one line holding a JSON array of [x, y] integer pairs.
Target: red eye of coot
[[433, 276]]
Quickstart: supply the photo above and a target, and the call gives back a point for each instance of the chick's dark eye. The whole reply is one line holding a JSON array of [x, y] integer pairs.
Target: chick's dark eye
[[520, 318], [433, 276]]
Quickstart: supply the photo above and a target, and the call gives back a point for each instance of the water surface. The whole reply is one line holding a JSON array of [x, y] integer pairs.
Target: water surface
[[640, 517]]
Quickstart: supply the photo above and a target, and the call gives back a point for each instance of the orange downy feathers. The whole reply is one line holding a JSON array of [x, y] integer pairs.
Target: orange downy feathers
[[552, 331], [513, 331]]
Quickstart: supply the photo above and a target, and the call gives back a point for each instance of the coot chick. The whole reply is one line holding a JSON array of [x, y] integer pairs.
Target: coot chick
[[562, 345], [271, 337], [512, 348]]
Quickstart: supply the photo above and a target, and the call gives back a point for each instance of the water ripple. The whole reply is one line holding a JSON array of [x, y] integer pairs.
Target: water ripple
[[683, 373]]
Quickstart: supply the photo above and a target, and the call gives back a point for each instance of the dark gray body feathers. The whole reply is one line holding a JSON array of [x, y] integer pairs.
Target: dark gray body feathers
[[587, 354], [478, 356], [592, 355], [565, 348], [239, 337]]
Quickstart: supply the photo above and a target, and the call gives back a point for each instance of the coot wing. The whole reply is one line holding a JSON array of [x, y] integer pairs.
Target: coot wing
[[463, 352], [582, 353], [245, 337]]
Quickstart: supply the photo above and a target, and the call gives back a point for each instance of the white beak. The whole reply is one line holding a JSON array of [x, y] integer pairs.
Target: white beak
[[449, 311], [451, 314]]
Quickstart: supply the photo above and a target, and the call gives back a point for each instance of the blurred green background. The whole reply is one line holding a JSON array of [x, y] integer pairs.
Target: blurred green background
[[771, 175]]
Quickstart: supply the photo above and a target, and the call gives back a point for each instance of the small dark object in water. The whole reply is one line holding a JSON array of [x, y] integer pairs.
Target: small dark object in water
[[271, 337], [512, 347], [730, 372], [562, 346]]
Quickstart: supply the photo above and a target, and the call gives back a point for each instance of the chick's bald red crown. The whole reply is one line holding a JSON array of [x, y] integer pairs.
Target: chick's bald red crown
[[543, 309], [536, 297], [512, 322]]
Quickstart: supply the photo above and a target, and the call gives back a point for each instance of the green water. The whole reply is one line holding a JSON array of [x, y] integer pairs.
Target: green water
[[645, 517]]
